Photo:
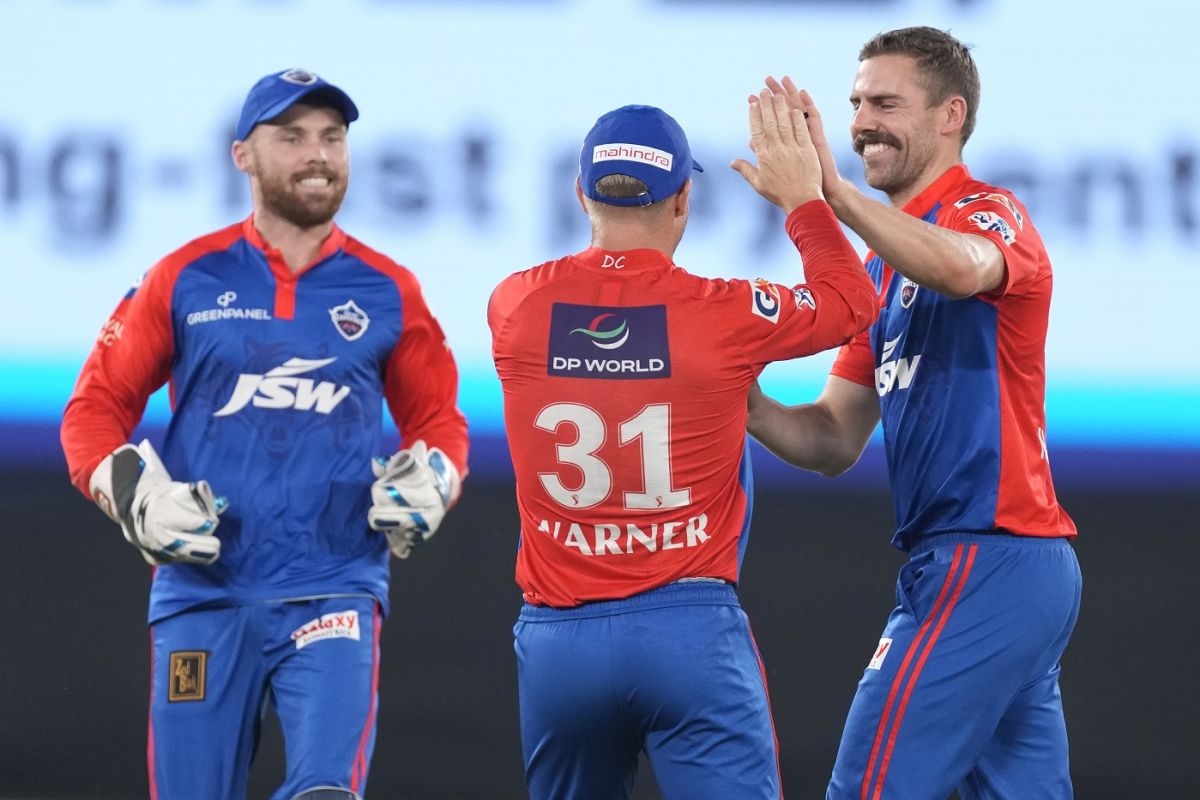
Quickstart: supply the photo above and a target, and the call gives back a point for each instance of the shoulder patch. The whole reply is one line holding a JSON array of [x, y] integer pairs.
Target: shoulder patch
[[987, 221], [995, 197]]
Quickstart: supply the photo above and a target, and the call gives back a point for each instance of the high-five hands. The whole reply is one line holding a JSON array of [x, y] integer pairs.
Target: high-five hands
[[832, 183], [789, 168]]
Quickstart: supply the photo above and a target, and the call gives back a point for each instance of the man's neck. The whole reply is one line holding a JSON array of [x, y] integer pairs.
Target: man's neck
[[619, 238], [931, 173], [298, 246]]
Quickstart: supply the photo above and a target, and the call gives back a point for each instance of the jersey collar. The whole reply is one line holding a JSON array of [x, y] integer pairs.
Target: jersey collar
[[621, 262], [335, 241], [924, 202]]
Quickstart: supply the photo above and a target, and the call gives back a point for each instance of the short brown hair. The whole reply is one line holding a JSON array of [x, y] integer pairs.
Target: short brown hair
[[622, 187], [944, 65]]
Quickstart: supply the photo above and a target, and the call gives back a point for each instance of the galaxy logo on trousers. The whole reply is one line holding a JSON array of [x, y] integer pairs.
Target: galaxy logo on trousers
[[608, 342], [338, 625], [885, 644]]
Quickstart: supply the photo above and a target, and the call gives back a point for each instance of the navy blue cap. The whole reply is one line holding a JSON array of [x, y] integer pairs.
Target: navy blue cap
[[643, 142], [276, 93]]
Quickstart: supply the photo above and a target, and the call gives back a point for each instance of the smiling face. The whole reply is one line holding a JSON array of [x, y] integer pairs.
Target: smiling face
[[299, 164], [905, 142]]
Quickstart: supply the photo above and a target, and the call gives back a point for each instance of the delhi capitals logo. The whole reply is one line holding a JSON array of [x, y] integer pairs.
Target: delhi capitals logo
[[908, 292], [350, 320], [607, 337]]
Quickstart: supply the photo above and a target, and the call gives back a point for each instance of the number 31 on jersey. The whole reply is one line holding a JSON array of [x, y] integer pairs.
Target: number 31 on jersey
[[651, 427]]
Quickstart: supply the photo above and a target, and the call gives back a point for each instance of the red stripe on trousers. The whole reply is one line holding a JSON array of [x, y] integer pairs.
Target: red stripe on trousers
[[900, 673], [150, 726], [770, 714], [358, 775], [908, 690]]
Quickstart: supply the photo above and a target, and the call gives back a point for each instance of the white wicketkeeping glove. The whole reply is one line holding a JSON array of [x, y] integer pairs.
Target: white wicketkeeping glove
[[410, 495], [166, 520]]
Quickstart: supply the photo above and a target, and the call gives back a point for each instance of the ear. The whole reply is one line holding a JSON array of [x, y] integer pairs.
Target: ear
[[579, 195], [681, 199], [954, 115], [242, 159]]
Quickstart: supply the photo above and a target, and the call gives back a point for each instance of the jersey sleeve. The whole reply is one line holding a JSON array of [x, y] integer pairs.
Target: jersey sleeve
[[130, 360], [997, 217], [777, 321], [421, 380], [503, 301], [855, 361]]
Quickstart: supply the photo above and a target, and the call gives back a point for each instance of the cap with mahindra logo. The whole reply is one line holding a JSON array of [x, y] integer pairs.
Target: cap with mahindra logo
[[642, 142], [276, 93]]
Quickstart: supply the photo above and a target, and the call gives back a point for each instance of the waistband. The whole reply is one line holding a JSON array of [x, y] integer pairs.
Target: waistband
[[924, 545], [687, 592]]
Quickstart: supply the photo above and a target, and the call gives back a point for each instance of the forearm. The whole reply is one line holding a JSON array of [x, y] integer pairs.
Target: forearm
[[948, 262], [805, 436]]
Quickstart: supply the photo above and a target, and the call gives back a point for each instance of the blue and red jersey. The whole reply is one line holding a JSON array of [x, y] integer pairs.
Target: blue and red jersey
[[277, 384], [962, 383], [625, 381]]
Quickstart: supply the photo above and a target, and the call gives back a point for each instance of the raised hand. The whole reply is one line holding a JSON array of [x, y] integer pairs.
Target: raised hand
[[788, 172], [832, 183]]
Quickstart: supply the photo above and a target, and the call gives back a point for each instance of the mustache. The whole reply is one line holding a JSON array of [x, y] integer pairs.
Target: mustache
[[874, 137], [316, 172]]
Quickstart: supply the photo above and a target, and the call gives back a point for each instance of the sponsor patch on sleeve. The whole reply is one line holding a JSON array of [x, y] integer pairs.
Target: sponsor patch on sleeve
[[987, 221], [804, 298], [994, 197], [764, 300]]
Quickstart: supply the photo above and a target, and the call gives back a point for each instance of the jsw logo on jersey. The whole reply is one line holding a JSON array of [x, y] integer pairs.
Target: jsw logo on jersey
[[280, 388], [894, 373]]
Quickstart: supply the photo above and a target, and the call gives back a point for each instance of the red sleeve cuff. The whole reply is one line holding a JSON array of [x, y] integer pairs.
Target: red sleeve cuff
[[813, 215]]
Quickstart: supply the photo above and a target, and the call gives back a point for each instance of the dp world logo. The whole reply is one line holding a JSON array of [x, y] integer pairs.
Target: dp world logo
[[576, 331], [605, 332]]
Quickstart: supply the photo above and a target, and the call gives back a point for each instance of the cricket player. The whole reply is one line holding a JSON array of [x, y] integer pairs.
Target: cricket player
[[962, 689], [625, 381], [267, 514]]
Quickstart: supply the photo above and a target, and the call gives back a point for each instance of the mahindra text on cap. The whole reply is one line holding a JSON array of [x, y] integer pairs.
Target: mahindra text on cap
[[642, 142]]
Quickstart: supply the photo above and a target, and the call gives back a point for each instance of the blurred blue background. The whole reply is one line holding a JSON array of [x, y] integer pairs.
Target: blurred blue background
[[114, 151]]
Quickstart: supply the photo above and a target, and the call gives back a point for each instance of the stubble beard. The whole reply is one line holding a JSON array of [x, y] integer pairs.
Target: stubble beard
[[282, 196], [906, 168]]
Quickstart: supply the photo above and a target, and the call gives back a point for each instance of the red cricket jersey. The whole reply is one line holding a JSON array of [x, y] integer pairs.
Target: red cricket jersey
[[962, 383], [625, 381]]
